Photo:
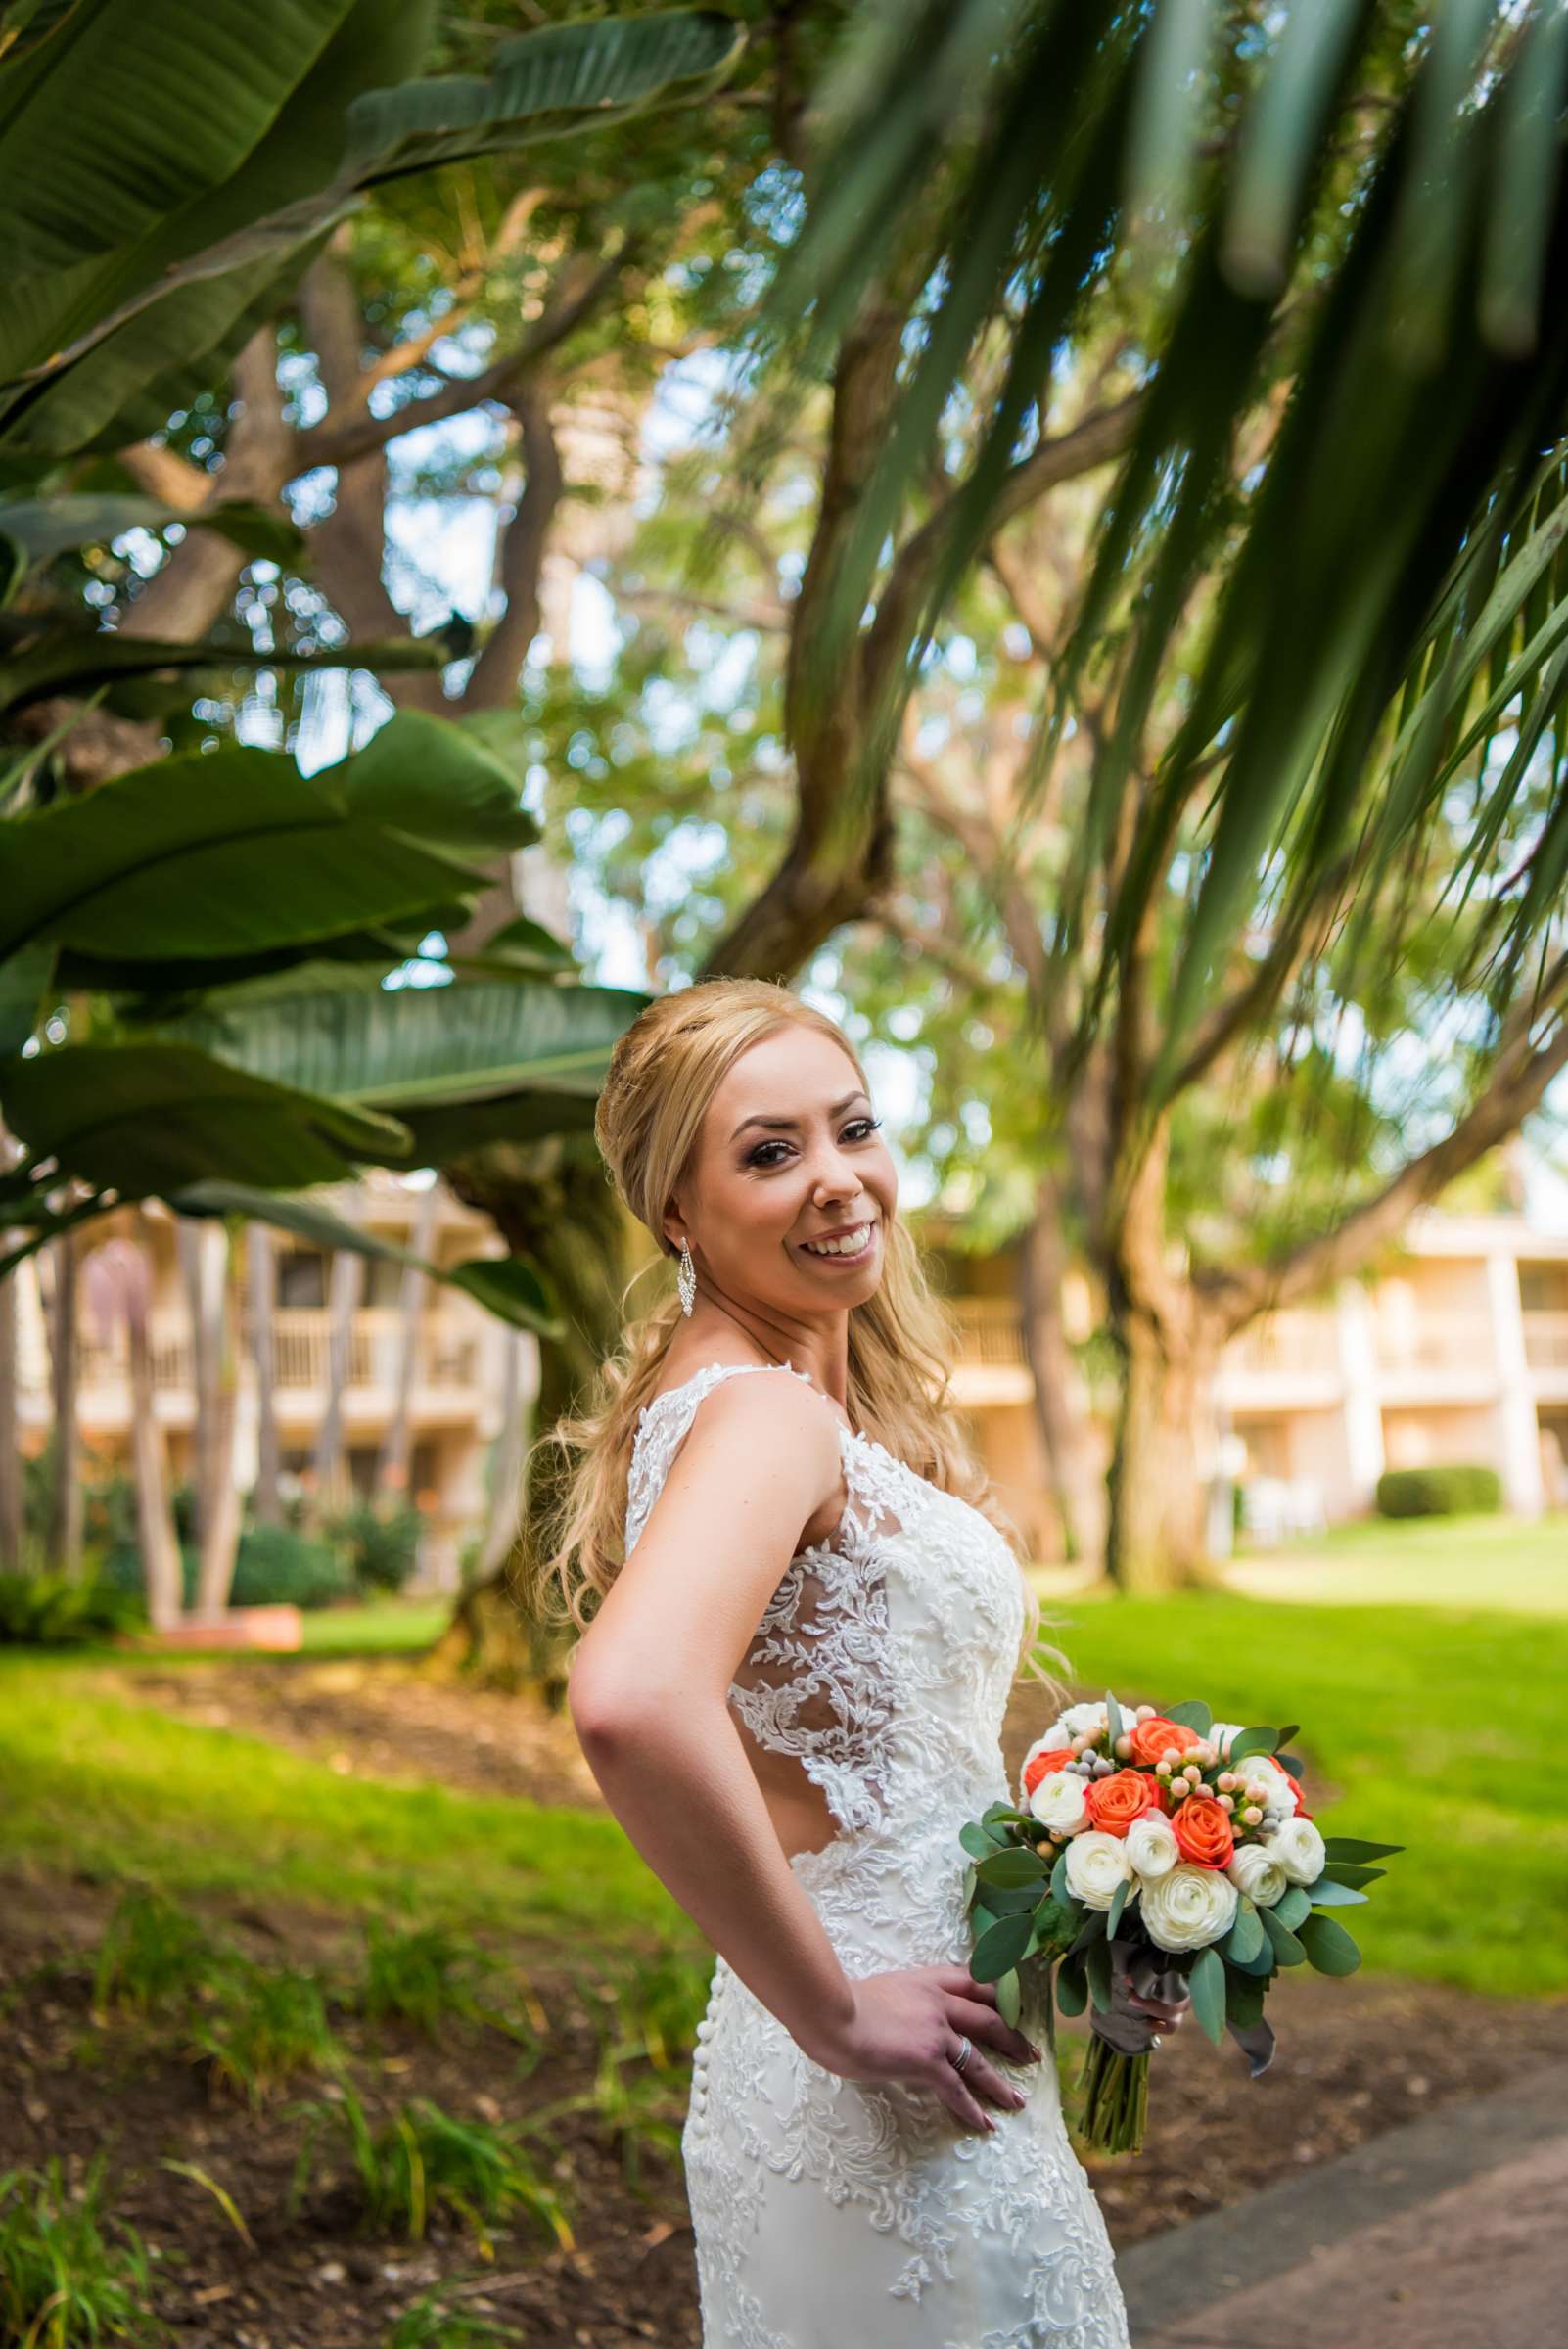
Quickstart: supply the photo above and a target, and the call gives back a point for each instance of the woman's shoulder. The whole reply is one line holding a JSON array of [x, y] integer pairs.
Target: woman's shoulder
[[691, 1385]]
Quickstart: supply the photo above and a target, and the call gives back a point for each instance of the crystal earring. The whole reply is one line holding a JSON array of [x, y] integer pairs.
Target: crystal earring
[[686, 1278]]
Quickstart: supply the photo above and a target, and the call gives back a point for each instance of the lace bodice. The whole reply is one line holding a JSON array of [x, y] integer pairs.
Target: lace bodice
[[826, 2211], [883, 1660]]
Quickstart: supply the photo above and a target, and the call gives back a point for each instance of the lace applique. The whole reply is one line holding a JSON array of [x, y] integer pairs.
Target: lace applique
[[883, 1661]]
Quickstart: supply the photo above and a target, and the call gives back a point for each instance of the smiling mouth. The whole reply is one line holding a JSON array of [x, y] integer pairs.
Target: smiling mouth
[[851, 1249]]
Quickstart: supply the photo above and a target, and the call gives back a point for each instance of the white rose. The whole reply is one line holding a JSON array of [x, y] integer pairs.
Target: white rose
[[1152, 1850], [1189, 1908], [1059, 1801], [1256, 1871], [1298, 1849], [1095, 1865]]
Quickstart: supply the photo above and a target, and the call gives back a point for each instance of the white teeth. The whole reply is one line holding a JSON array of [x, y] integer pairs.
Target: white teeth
[[850, 1244]]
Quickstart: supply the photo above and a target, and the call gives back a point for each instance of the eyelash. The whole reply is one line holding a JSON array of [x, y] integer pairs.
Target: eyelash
[[757, 1159]]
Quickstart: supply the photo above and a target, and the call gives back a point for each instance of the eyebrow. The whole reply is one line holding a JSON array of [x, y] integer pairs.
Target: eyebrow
[[835, 1109]]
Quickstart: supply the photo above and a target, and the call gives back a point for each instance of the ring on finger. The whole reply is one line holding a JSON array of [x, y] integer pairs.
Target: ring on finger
[[966, 2048]]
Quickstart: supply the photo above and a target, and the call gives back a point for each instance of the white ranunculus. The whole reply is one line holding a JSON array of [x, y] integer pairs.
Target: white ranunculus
[[1078, 1720], [1189, 1908], [1095, 1865], [1298, 1849], [1152, 1849], [1220, 1734], [1256, 1871], [1059, 1801]]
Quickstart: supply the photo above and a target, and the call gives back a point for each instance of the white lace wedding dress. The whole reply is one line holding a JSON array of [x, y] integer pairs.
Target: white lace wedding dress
[[830, 2215]]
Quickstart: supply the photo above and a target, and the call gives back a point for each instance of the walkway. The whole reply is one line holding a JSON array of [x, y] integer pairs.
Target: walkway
[[1452, 2230]]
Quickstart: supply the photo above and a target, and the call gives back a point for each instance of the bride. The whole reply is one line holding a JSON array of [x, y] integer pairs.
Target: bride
[[791, 1694]]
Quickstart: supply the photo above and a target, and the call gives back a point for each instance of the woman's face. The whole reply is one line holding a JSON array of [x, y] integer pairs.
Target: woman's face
[[790, 1152]]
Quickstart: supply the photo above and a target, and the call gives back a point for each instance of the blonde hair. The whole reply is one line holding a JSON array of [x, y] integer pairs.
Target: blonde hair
[[663, 1074]]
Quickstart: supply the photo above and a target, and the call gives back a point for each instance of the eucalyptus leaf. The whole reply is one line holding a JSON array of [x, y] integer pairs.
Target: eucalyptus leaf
[[1008, 1992], [1008, 1869], [1252, 1741], [1354, 1847], [1327, 1894], [1113, 1720], [1205, 1985], [1246, 1936], [999, 1948], [1097, 1967], [1287, 1948], [1291, 1907], [1328, 1947], [1193, 1714], [978, 1842], [1072, 1986]]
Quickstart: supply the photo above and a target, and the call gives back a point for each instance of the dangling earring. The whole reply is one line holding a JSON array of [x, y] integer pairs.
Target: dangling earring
[[686, 1278]]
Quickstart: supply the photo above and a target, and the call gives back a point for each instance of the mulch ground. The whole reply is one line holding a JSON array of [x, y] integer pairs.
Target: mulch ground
[[1354, 2058]]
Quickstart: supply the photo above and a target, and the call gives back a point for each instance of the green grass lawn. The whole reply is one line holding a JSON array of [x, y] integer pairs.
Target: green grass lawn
[[1426, 1561], [1431, 1727], [1437, 1729], [88, 1781]]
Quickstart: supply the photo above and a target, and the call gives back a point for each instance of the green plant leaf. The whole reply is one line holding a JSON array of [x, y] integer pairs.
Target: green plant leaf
[[1008, 1996], [1252, 1741], [1246, 1937], [1113, 1720], [1327, 1946], [1119, 1900], [1205, 1985], [1097, 1967], [1327, 1894], [1353, 1847], [978, 1841], [1012, 1867], [1291, 1907], [1193, 1714], [1288, 1946], [999, 1948], [1348, 1872], [1072, 1986]]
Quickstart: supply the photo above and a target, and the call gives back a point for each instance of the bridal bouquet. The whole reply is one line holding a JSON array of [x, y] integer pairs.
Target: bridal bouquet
[[1157, 1845]]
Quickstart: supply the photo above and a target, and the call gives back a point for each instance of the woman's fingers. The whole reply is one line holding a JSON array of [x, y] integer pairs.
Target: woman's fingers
[[962, 1982], [958, 2100], [983, 2022]]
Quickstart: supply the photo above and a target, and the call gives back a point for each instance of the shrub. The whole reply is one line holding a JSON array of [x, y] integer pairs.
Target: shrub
[[62, 2279], [278, 1566], [1444, 1491], [46, 1610], [381, 1548]]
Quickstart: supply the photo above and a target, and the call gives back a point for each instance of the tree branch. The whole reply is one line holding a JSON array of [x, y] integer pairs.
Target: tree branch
[[492, 682], [329, 443]]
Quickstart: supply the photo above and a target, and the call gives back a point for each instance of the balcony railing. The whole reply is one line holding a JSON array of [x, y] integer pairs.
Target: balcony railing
[[1545, 1340], [446, 1351], [991, 1332], [1294, 1344], [1444, 1345]]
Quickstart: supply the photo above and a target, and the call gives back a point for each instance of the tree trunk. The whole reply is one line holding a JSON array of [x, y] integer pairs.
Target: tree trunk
[[205, 1256], [65, 1480], [332, 1486], [507, 1455], [266, 1501], [391, 1465], [162, 1570], [10, 1433], [1158, 1492], [1078, 1486]]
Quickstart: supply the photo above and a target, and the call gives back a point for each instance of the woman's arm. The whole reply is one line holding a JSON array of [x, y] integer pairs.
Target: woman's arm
[[648, 1694]]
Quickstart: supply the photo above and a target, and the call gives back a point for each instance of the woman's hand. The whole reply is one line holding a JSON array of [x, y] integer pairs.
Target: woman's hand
[[908, 2026], [1135, 2019]]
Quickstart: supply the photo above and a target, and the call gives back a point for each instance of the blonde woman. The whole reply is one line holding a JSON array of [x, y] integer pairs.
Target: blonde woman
[[790, 1692]]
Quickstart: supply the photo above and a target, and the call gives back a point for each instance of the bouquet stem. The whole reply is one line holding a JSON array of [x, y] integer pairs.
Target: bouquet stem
[[1116, 2098]]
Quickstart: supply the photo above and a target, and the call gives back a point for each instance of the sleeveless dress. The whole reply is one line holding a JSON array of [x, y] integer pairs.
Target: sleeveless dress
[[831, 2213]]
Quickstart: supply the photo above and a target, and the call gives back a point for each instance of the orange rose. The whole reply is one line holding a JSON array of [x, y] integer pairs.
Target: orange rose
[[1116, 1801], [1302, 1810], [1153, 1738], [1203, 1830], [1043, 1764]]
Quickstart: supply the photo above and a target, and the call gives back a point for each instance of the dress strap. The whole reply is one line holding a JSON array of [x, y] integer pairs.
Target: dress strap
[[662, 1428]]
